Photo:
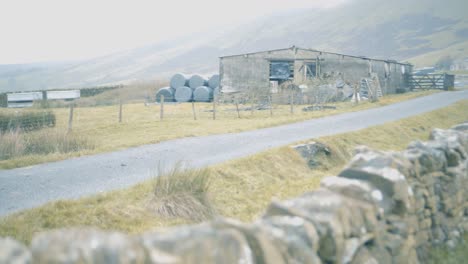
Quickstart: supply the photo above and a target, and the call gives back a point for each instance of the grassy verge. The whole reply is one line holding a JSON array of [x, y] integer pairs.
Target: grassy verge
[[17, 145], [240, 188], [141, 124]]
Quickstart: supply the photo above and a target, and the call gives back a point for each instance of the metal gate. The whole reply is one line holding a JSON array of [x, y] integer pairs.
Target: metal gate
[[432, 81]]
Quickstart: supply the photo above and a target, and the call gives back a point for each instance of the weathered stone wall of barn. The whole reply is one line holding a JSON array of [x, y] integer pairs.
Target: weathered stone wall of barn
[[384, 207], [244, 74], [251, 71]]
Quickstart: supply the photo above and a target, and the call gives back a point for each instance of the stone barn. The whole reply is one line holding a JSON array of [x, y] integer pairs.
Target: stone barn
[[265, 72]]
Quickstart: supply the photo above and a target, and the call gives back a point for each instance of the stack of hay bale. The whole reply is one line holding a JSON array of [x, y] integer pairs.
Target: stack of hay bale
[[184, 88]]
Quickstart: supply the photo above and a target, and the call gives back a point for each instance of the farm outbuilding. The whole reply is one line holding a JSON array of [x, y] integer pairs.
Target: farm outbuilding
[[26, 99], [266, 71]]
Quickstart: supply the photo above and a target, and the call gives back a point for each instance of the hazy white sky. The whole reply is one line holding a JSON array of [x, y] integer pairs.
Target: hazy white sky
[[45, 30]]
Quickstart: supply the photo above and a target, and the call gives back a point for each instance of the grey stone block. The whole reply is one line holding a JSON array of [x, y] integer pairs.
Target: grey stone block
[[13, 252]]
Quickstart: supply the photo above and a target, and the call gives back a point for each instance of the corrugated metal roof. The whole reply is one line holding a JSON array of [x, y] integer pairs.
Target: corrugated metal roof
[[314, 50], [24, 96]]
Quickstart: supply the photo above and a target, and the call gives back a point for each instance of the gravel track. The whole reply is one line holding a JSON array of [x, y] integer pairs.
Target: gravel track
[[33, 186]]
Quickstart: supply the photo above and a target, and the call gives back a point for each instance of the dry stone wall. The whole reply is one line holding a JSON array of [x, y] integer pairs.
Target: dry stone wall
[[384, 207]]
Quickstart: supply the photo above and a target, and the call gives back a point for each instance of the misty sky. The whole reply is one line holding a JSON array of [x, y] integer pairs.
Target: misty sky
[[46, 30]]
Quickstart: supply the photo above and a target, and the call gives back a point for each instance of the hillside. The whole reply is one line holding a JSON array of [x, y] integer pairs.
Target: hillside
[[458, 50], [384, 29], [402, 30]]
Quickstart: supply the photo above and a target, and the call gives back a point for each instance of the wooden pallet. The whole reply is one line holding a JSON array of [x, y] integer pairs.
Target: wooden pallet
[[370, 87]]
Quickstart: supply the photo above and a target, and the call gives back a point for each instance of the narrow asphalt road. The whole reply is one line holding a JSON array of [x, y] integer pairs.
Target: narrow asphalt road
[[29, 187]]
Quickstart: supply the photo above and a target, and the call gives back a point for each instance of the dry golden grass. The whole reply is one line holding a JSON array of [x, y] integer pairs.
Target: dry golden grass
[[141, 124], [17, 144], [240, 188], [183, 193]]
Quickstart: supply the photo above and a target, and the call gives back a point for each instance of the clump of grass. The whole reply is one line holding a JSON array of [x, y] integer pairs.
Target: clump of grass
[[47, 142], [11, 144], [183, 193], [16, 143], [26, 120]]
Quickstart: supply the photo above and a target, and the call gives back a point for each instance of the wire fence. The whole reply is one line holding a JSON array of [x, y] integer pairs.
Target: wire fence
[[110, 118], [112, 122], [71, 115], [26, 120]]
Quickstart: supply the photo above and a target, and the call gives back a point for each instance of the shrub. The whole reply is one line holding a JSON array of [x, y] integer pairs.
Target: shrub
[[183, 193], [26, 120]]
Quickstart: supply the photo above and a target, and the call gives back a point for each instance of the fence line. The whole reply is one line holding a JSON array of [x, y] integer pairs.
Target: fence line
[[161, 112], [193, 110], [120, 111], [73, 116], [70, 119]]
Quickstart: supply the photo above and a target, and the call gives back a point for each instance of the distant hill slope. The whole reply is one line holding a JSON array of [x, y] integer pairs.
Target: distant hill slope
[[398, 29], [458, 50]]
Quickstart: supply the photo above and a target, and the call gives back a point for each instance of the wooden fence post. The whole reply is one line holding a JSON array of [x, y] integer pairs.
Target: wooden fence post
[[252, 106], [237, 108], [120, 111], [270, 105], [193, 111], [214, 108], [70, 119], [291, 103], [161, 112]]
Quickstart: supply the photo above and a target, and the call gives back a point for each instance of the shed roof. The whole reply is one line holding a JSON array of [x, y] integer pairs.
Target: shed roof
[[314, 50]]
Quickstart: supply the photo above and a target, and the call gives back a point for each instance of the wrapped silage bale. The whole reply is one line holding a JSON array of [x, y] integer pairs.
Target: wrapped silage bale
[[197, 81], [183, 94], [216, 91], [213, 82], [179, 80], [203, 94], [168, 93]]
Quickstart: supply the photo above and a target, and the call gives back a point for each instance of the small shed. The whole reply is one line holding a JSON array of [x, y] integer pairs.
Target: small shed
[[24, 99]]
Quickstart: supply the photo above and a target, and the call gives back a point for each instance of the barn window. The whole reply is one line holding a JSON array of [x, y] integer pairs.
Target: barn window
[[281, 70], [311, 70]]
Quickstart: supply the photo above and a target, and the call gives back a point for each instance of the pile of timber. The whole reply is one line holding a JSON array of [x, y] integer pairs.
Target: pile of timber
[[188, 88]]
